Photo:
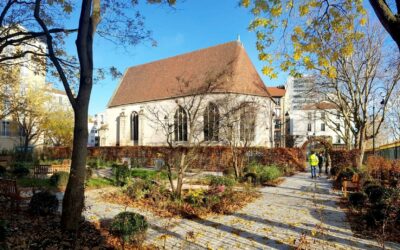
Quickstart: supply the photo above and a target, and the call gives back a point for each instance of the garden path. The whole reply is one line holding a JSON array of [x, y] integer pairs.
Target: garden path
[[299, 211]]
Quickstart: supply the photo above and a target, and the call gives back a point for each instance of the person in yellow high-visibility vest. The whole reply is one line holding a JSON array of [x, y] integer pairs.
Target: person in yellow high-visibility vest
[[313, 160]]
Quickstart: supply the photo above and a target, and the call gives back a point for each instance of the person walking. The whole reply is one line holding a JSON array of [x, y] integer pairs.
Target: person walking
[[320, 163], [313, 160]]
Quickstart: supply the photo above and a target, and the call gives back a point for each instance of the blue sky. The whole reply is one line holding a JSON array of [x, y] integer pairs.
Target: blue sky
[[192, 25]]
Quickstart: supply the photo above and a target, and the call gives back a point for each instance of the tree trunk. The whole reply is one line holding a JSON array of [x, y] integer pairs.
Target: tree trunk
[[181, 173], [361, 146], [73, 201]]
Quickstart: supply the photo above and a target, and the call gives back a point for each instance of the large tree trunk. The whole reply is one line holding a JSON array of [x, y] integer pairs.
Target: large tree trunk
[[361, 146], [73, 202]]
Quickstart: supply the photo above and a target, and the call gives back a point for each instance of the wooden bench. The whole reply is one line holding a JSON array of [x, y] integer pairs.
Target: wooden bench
[[353, 184], [9, 191]]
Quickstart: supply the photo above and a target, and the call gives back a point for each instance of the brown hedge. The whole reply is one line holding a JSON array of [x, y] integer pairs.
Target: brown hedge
[[345, 158], [207, 158]]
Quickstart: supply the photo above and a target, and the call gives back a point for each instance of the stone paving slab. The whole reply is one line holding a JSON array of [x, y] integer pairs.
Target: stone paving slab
[[300, 206]]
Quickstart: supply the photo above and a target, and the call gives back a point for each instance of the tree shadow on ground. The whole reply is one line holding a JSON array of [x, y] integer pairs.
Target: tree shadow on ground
[[332, 238]]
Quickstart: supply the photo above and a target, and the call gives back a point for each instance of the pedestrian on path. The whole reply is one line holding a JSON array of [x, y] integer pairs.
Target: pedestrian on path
[[320, 163], [313, 160]]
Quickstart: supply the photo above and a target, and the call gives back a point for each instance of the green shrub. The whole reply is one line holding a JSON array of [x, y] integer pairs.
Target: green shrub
[[375, 194], [375, 215], [357, 199], [138, 189], [212, 200], [195, 197], [89, 172], [121, 173], [59, 179], [3, 230], [43, 203], [93, 163], [269, 173], [131, 227], [20, 171], [221, 181], [3, 171]]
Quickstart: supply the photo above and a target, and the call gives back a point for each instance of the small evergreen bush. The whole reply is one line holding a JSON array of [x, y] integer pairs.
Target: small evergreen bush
[[138, 189], [3, 230], [131, 227], [375, 194], [43, 203], [357, 199], [269, 173], [3, 171], [20, 171], [221, 181], [59, 179], [121, 173]]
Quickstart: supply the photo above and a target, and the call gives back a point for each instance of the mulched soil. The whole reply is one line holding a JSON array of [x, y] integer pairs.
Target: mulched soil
[[25, 231]]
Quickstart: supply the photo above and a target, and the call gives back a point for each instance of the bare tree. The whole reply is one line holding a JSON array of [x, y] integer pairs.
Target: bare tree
[[114, 20], [361, 80], [183, 126]]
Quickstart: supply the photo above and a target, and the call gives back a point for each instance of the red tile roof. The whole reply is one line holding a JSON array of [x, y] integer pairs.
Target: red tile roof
[[276, 92], [181, 75]]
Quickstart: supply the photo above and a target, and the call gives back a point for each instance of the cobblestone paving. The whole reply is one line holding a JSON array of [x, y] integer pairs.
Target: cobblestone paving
[[300, 208]]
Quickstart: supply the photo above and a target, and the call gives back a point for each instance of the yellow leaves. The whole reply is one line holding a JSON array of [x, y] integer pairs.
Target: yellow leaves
[[323, 62], [276, 10], [307, 62], [347, 50], [269, 71], [264, 57], [298, 31], [304, 9], [259, 22], [363, 21], [297, 54], [245, 3]]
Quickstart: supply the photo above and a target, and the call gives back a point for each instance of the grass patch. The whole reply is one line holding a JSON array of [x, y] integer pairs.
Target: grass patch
[[96, 183], [33, 182], [148, 174]]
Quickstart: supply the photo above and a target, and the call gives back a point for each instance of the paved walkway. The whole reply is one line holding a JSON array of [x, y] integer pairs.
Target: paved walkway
[[299, 211]]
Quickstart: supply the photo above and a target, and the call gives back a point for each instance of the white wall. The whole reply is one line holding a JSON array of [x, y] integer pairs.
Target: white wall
[[151, 132]]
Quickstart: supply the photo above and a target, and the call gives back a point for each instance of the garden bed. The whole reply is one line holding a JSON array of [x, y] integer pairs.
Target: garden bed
[[24, 231], [194, 203]]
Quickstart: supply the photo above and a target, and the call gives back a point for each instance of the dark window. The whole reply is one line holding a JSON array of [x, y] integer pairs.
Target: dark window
[[277, 124], [323, 116], [247, 122], [180, 125], [338, 139], [322, 126], [5, 128], [134, 126], [211, 123], [338, 126], [338, 115], [309, 127], [309, 115]]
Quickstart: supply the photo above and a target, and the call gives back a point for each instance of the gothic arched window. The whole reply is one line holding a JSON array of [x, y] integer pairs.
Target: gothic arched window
[[180, 125], [211, 122]]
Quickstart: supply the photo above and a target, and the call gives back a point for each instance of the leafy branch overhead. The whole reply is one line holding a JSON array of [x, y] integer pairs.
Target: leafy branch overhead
[[295, 33]]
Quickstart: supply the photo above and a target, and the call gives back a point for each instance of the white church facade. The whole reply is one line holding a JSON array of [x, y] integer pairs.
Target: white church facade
[[212, 96]]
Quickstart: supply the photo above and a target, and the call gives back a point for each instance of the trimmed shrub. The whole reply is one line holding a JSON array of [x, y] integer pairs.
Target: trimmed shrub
[[138, 189], [3, 230], [131, 227], [20, 171], [3, 171], [375, 194], [89, 172], [59, 179], [375, 215], [221, 181], [269, 173], [121, 173], [357, 199], [43, 203]]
